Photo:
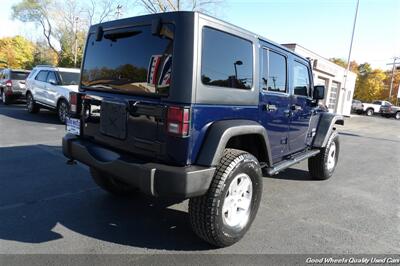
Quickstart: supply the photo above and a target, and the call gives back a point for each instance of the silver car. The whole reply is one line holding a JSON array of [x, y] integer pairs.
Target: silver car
[[12, 84], [49, 87]]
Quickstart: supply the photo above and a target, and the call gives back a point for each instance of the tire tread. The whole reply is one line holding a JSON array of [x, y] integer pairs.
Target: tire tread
[[203, 210]]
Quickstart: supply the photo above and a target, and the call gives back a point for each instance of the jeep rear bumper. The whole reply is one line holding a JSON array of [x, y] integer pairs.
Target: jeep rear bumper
[[151, 178]]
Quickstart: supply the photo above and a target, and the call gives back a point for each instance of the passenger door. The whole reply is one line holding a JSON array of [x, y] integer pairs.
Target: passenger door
[[274, 101], [301, 107]]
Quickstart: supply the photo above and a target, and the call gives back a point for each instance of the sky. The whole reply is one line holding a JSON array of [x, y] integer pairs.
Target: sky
[[322, 26]]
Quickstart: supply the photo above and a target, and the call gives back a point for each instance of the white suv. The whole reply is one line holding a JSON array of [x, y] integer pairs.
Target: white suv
[[49, 87]]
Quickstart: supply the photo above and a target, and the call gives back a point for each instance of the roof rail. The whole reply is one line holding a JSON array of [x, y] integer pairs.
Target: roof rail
[[44, 66]]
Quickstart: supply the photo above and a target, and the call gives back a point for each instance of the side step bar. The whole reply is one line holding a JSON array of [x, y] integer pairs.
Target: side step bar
[[289, 162]]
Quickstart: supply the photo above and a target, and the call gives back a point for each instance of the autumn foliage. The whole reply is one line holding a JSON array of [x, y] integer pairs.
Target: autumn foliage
[[371, 84]]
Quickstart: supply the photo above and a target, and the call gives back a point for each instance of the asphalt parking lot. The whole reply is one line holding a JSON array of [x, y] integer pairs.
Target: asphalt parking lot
[[47, 206]]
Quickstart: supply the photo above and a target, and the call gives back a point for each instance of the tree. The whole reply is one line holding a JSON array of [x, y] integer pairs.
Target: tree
[[43, 55], [370, 83], [339, 61], [16, 52], [343, 63], [102, 10], [37, 11], [159, 6], [65, 23]]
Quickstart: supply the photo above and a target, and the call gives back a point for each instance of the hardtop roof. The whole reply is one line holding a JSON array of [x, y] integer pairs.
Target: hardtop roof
[[114, 23]]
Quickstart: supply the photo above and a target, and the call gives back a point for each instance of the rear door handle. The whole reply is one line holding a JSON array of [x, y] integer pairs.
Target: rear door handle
[[270, 107]]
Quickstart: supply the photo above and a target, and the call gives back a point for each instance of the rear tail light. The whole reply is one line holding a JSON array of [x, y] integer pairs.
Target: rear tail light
[[9, 83], [74, 103], [178, 121]]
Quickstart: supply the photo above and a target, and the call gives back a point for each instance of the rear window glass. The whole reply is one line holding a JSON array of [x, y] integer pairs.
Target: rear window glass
[[227, 60], [69, 78], [19, 75], [130, 60]]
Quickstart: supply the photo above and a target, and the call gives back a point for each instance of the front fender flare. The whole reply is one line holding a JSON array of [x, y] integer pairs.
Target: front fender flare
[[221, 132], [326, 125]]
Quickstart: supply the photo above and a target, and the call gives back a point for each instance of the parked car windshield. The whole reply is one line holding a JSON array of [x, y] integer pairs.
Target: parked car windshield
[[69, 78], [130, 60], [19, 75]]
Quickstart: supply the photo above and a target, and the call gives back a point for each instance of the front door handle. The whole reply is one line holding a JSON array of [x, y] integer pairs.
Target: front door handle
[[296, 107]]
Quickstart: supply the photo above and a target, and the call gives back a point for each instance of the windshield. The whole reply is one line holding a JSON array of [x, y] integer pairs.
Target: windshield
[[19, 75], [69, 78], [130, 60]]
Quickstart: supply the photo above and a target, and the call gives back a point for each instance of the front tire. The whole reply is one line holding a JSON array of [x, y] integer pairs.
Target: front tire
[[110, 184], [224, 214], [322, 166], [397, 116]]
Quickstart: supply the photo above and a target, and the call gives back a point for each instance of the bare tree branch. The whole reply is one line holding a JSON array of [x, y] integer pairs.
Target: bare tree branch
[[156, 6]]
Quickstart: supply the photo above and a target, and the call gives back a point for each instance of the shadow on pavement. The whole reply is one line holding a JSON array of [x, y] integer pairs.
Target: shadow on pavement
[[18, 111], [39, 200]]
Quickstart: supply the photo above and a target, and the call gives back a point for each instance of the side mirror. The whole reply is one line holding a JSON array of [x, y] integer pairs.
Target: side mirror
[[319, 92]]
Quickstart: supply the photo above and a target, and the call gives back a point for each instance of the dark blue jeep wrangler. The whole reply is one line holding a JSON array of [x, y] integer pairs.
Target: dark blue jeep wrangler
[[181, 104]]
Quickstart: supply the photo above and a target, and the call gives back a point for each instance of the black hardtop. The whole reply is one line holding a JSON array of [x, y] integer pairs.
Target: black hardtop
[[174, 15]]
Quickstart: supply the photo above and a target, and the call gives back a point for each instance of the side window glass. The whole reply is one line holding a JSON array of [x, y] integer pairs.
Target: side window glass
[[274, 72], [51, 78], [301, 79], [227, 60], [42, 76]]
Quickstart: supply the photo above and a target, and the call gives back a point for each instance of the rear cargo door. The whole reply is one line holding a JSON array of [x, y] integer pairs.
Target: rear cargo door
[[125, 76]]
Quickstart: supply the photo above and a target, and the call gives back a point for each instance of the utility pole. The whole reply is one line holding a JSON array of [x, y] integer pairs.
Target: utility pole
[[76, 41], [349, 57], [392, 79], [178, 5], [118, 13]]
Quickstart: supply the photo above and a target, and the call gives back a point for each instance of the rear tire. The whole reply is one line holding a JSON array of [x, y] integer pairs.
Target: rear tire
[[224, 214], [5, 99], [322, 166], [397, 116], [31, 105], [370, 112], [110, 184]]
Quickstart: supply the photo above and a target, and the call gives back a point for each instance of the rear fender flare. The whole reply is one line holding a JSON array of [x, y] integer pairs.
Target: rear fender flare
[[221, 132]]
